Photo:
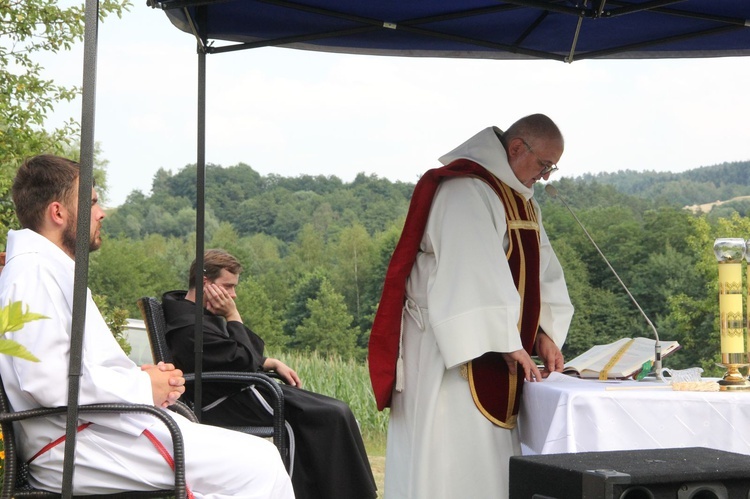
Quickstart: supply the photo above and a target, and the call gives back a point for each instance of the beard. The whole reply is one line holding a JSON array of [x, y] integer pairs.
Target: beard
[[69, 238]]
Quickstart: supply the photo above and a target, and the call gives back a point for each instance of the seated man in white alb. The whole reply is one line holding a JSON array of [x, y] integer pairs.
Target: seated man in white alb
[[113, 452]]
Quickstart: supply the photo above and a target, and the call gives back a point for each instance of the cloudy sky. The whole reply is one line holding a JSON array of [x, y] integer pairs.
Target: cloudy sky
[[294, 112]]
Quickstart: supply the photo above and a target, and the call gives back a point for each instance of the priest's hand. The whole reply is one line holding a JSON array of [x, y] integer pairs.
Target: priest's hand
[[283, 370], [549, 353], [220, 302], [167, 383], [521, 358]]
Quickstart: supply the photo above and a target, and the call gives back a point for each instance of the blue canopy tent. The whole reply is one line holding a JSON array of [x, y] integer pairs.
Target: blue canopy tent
[[517, 29], [561, 30]]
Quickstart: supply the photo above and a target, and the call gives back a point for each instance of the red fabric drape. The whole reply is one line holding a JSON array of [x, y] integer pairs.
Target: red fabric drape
[[386, 328]]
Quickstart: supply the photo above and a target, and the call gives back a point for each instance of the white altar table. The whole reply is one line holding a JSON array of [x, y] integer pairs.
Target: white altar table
[[563, 414]]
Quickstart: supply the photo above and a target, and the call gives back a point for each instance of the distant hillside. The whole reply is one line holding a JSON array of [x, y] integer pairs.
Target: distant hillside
[[260, 204], [707, 207], [281, 206], [700, 186]]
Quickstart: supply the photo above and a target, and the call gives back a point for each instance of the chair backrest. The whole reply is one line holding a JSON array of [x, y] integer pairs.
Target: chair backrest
[[156, 327], [15, 474]]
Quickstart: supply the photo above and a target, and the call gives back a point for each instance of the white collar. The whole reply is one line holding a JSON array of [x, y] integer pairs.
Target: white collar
[[27, 241], [486, 149]]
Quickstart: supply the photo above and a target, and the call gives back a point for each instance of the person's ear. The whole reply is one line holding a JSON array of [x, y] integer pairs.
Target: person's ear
[[516, 147], [57, 213]]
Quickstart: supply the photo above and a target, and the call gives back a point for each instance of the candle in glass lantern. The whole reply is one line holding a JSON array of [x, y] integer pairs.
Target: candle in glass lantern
[[729, 253]]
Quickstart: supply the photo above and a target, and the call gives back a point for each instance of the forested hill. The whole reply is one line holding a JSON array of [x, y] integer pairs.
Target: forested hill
[[272, 205], [281, 206], [702, 185], [315, 250]]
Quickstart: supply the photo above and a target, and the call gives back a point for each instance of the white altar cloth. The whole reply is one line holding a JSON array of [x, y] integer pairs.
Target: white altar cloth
[[564, 414]]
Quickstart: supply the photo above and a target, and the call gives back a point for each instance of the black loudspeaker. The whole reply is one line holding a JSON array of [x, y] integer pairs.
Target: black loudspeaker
[[689, 473]]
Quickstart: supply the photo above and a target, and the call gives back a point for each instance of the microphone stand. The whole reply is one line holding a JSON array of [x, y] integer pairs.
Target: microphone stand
[[552, 191]]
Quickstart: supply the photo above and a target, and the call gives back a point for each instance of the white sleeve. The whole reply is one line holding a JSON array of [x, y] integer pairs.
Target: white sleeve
[[108, 376], [556, 310], [473, 304]]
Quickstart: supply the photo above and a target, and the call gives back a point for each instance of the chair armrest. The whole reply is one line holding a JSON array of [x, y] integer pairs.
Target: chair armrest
[[260, 380], [174, 430], [241, 378], [274, 375], [183, 410]]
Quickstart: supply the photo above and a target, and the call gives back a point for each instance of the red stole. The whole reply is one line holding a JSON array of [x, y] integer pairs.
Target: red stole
[[496, 392], [490, 370]]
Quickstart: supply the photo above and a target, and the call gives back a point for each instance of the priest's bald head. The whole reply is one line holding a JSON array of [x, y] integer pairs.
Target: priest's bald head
[[534, 145]]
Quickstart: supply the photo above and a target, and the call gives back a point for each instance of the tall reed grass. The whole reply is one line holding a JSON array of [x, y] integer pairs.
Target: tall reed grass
[[346, 380]]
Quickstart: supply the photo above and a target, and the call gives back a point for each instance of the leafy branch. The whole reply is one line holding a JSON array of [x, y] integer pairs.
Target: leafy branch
[[13, 318]]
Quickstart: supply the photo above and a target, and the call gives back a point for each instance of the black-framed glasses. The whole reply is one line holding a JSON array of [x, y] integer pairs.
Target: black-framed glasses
[[546, 166]]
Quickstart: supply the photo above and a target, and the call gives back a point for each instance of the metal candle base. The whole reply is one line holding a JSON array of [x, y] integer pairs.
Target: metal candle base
[[733, 378]]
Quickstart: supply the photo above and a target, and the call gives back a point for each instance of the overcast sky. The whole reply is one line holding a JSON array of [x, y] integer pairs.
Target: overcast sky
[[294, 112]]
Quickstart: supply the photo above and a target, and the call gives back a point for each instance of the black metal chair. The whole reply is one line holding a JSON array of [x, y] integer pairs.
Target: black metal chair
[[156, 327], [16, 473]]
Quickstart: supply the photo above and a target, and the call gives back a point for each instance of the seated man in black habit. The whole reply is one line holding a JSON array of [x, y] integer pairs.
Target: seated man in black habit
[[330, 460]]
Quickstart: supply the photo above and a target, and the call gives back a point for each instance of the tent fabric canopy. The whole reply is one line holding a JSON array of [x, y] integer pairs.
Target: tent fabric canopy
[[519, 29]]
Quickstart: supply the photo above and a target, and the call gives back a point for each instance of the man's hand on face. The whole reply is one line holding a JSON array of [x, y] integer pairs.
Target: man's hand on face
[[219, 302]]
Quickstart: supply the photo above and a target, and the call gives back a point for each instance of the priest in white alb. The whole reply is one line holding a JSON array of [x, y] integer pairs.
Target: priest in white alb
[[473, 291]]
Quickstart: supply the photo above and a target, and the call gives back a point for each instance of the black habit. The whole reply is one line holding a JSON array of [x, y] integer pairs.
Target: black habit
[[330, 461]]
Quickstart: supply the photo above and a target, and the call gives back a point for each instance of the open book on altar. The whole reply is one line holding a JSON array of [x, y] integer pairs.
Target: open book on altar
[[622, 359]]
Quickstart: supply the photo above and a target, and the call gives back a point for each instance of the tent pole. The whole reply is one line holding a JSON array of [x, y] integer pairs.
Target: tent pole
[[83, 230], [200, 222], [571, 54]]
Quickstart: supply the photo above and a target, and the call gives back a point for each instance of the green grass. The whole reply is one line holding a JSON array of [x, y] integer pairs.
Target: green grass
[[349, 381], [345, 380]]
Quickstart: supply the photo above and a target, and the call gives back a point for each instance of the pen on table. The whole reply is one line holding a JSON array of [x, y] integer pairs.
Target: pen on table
[[644, 387]]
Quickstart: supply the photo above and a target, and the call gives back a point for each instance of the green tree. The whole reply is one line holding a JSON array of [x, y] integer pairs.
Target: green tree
[[73, 151], [259, 314], [582, 333], [261, 259], [296, 214], [116, 318], [127, 219], [226, 238], [259, 213], [353, 252], [383, 246], [308, 252], [327, 330], [28, 28], [308, 288], [263, 253], [125, 270], [725, 210]]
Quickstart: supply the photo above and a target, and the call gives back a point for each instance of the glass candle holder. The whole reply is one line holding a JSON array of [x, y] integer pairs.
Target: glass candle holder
[[729, 254]]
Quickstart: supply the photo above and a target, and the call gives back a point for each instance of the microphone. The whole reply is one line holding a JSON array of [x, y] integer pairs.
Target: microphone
[[552, 191]]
